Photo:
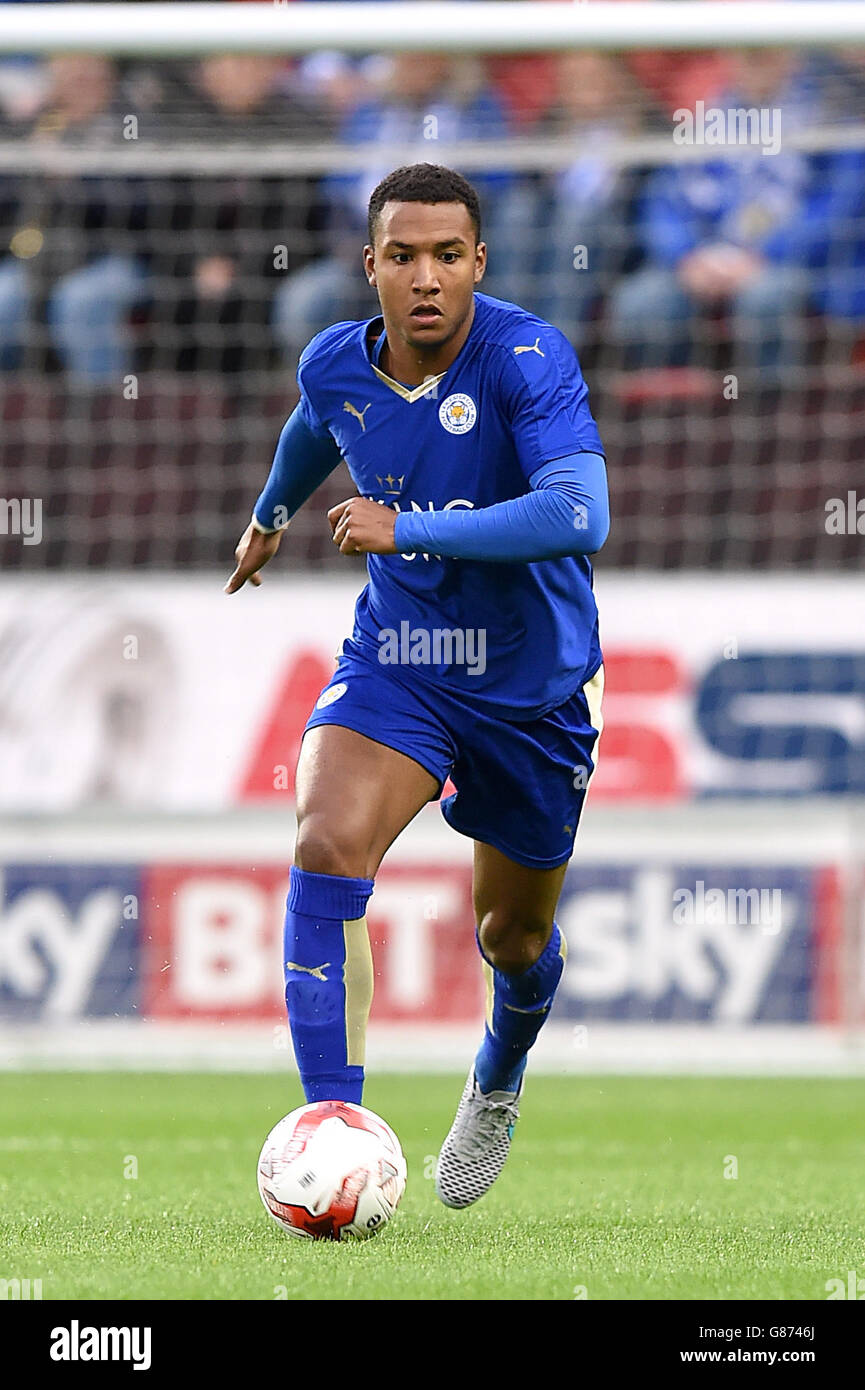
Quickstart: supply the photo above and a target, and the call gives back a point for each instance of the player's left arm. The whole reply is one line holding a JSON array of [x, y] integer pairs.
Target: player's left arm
[[564, 512]]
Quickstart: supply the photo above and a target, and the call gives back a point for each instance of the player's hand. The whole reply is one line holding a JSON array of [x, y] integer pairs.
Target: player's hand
[[363, 527], [254, 549]]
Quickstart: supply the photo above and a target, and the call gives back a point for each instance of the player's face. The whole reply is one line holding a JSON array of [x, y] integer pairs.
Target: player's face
[[425, 265]]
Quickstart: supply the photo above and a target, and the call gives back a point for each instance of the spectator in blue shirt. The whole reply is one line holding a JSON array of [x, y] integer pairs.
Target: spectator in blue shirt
[[836, 233], [425, 100], [582, 234], [729, 233]]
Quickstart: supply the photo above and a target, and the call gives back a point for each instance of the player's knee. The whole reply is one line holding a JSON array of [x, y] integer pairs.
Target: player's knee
[[512, 942], [326, 848]]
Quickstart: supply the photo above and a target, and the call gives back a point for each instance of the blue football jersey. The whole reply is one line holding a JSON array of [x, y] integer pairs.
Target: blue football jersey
[[513, 399]]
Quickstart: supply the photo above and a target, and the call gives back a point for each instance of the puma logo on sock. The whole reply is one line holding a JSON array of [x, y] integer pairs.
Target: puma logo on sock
[[317, 971]]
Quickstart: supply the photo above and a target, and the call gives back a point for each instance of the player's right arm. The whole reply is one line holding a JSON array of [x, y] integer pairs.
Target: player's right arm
[[304, 457]]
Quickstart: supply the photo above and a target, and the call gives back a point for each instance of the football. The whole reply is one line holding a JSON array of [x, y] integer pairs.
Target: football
[[331, 1171]]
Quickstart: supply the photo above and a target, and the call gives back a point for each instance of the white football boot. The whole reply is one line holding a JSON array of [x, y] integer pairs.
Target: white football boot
[[474, 1152]]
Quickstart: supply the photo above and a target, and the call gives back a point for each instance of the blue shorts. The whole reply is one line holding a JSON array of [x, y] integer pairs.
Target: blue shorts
[[520, 786]]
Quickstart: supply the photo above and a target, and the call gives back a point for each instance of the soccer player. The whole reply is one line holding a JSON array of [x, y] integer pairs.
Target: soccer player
[[481, 492]]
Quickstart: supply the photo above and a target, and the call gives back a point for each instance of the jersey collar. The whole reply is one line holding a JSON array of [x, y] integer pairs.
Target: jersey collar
[[406, 393]]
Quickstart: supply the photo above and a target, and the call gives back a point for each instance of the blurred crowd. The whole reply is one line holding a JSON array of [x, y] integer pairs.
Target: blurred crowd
[[188, 265]]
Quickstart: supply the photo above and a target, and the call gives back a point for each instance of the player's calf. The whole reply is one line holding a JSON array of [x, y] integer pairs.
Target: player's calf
[[354, 795], [328, 981], [518, 1004], [522, 965]]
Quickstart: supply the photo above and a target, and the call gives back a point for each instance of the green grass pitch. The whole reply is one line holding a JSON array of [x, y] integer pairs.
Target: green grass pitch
[[615, 1189]]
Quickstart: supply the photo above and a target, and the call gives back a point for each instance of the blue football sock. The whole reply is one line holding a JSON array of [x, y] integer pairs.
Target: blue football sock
[[517, 1008], [328, 981]]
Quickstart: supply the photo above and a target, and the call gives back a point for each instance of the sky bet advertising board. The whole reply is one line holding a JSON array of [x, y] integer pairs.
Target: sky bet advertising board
[[679, 942]]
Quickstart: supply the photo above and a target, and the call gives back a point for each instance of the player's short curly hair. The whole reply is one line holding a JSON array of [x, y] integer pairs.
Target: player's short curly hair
[[423, 183]]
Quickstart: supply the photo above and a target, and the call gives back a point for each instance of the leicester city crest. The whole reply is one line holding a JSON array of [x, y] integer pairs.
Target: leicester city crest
[[458, 413]]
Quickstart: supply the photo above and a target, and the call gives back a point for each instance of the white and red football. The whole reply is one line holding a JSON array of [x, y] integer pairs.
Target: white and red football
[[331, 1171]]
